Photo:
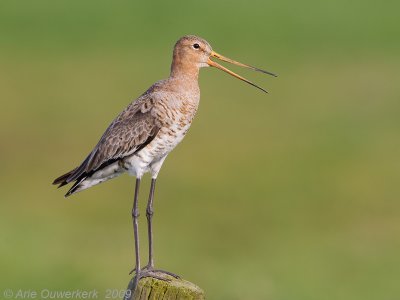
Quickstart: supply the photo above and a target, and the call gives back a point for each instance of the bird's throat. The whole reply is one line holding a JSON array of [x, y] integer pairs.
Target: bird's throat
[[182, 68]]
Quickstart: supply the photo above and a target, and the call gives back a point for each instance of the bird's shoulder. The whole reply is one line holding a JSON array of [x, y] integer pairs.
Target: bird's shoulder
[[146, 112]]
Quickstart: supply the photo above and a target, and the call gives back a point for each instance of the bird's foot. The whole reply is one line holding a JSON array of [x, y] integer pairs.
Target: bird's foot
[[148, 269], [151, 269], [145, 273]]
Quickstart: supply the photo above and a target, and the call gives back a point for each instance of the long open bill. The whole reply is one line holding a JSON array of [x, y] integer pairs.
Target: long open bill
[[223, 58]]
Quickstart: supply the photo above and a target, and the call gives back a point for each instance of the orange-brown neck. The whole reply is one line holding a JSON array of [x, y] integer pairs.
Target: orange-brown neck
[[182, 67]]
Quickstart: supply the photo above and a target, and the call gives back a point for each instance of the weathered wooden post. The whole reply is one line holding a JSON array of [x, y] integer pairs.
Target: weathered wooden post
[[150, 288]]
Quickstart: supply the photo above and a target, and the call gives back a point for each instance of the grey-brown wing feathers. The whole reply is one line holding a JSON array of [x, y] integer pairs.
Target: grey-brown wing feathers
[[132, 130]]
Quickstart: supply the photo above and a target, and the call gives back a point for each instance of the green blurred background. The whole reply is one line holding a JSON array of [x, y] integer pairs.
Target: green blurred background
[[291, 195]]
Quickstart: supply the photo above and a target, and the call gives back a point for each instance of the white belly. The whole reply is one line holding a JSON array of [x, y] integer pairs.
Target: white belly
[[151, 157]]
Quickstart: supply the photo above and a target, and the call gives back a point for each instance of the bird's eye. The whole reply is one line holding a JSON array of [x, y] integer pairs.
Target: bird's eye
[[196, 46]]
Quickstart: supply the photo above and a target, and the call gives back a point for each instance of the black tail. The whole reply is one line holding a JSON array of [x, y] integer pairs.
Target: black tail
[[62, 180], [75, 186], [79, 174], [75, 174], [65, 179]]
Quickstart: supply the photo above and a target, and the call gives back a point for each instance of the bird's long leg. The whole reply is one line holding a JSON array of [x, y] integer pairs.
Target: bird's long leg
[[135, 216], [146, 272], [149, 216]]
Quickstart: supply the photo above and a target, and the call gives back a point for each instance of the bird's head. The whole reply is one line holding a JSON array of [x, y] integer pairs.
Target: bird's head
[[192, 52]]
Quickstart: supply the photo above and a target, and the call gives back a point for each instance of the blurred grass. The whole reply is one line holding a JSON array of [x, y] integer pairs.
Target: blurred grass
[[291, 195]]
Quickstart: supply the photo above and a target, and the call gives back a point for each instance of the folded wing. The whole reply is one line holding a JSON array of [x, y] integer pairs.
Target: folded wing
[[132, 130]]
